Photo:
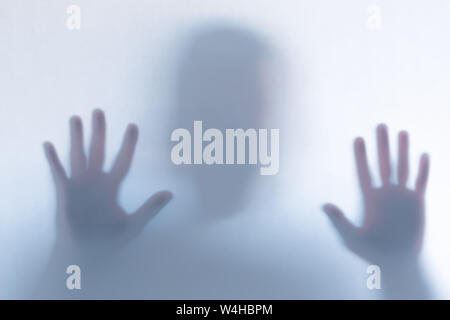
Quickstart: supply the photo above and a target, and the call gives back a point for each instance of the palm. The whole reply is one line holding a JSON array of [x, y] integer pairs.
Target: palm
[[89, 215], [393, 224], [393, 214], [93, 202]]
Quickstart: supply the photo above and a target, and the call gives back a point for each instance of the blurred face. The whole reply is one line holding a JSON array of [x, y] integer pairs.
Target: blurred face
[[238, 98], [225, 81]]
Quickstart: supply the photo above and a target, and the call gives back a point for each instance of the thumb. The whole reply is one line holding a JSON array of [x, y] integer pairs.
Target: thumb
[[149, 209], [343, 226]]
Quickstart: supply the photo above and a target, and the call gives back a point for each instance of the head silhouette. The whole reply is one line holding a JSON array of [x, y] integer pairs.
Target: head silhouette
[[221, 80]]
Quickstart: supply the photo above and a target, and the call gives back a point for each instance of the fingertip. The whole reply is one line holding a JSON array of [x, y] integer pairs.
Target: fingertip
[[164, 196], [359, 144], [97, 112], [133, 131], [75, 121], [50, 153], [382, 133], [47, 146], [152, 206], [325, 208], [330, 209], [382, 127], [425, 157], [161, 199], [425, 162], [98, 116], [403, 135], [422, 176]]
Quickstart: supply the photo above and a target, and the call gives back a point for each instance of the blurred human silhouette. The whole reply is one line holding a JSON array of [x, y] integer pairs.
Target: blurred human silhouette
[[91, 226], [249, 249], [392, 231], [222, 79]]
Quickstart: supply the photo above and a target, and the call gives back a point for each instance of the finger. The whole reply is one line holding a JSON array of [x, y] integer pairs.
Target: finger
[[125, 156], [383, 154], [77, 156], [343, 226], [361, 165], [422, 177], [148, 210], [403, 158], [97, 149], [55, 165]]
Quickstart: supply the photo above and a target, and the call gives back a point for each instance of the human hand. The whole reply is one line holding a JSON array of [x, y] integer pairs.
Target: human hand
[[393, 225], [89, 217]]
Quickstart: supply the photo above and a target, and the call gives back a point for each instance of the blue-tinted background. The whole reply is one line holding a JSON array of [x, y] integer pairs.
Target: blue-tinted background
[[332, 77]]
